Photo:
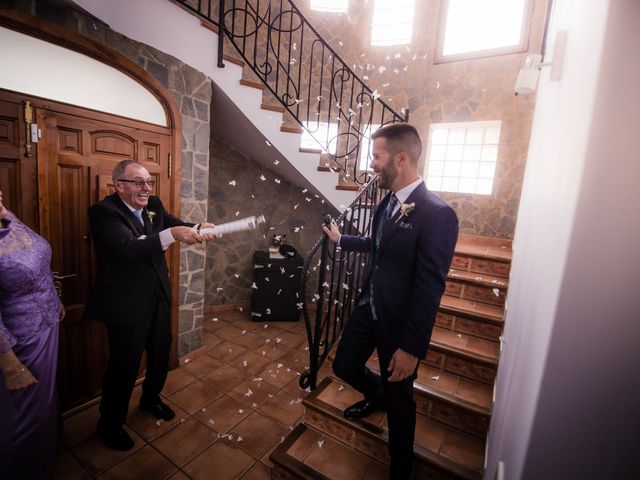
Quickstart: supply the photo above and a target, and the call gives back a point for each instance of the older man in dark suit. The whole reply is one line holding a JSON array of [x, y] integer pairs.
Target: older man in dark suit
[[414, 236], [131, 230]]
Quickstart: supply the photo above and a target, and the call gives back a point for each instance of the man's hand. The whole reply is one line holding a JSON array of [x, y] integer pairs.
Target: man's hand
[[209, 236], [186, 235], [402, 365], [334, 233]]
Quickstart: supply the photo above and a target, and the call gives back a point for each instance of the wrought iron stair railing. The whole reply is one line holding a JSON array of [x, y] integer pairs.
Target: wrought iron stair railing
[[332, 280], [307, 77]]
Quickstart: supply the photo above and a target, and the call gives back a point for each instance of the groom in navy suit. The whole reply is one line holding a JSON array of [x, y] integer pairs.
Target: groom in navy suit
[[414, 236]]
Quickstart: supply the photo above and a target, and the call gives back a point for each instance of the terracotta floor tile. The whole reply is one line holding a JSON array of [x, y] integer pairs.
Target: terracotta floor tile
[[134, 400], [226, 351], [96, 458], [224, 378], [429, 434], [210, 339], [145, 463], [179, 475], [376, 471], [283, 407], [293, 387], [464, 449], [253, 391], [202, 365], [274, 349], [258, 434], [149, 427], [296, 360], [337, 461], [223, 414], [212, 324], [194, 396], [185, 441], [226, 460], [259, 471], [278, 374], [68, 468], [177, 379], [269, 330], [250, 363], [229, 332], [80, 426], [265, 459], [249, 340], [292, 339], [234, 316], [443, 381], [474, 392]]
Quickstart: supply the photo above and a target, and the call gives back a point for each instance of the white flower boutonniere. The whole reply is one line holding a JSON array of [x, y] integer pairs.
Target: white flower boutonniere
[[405, 210], [151, 214]]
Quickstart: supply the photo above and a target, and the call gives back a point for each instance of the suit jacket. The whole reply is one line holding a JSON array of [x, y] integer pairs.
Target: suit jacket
[[129, 269], [409, 268]]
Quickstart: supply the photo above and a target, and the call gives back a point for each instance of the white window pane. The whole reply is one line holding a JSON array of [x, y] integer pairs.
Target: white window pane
[[436, 169], [450, 184], [474, 136], [454, 152], [456, 136], [473, 26], [491, 135], [439, 136], [437, 152], [392, 22], [469, 169], [434, 183], [489, 153], [471, 153], [486, 170], [484, 186], [329, 5], [452, 169], [317, 135], [366, 147], [467, 185]]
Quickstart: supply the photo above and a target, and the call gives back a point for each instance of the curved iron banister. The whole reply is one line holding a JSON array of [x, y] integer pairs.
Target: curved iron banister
[[340, 276], [306, 76]]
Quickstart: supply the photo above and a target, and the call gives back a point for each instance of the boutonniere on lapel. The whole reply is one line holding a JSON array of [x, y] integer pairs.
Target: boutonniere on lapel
[[405, 210], [151, 214]]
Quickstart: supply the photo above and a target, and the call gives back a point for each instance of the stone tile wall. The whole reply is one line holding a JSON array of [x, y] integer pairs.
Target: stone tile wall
[[191, 91]]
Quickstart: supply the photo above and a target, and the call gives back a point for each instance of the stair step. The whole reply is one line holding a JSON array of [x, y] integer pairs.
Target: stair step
[[478, 279], [233, 60], [210, 26], [482, 312], [291, 129], [351, 186], [252, 84], [484, 247], [438, 449], [310, 455], [272, 108], [310, 150], [467, 347]]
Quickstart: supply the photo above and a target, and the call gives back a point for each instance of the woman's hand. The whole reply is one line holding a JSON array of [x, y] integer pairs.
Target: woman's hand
[[16, 375], [63, 312]]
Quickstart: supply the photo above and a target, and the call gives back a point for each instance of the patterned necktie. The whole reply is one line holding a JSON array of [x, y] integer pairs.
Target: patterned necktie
[[138, 214], [388, 212]]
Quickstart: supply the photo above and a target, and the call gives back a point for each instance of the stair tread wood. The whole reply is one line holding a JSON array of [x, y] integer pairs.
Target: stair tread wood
[[484, 247], [436, 443], [310, 454], [273, 108], [478, 310], [252, 84], [466, 346], [478, 278]]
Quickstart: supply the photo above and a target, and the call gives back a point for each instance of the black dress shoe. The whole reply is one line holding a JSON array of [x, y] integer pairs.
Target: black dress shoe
[[118, 440], [159, 410], [361, 409]]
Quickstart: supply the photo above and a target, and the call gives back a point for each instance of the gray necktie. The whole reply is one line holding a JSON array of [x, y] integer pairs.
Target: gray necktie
[[138, 214]]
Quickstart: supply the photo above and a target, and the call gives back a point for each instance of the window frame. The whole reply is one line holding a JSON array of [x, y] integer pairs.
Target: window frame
[[328, 10], [387, 45], [522, 46]]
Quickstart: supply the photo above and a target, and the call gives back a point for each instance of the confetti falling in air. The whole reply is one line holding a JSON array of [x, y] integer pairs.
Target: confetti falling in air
[[277, 180], [267, 142], [253, 285], [160, 422], [341, 388], [219, 289], [496, 292], [276, 162], [263, 178], [237, 213], [232, 183], [237, 275], [435, 378], [320, 443], [239, 438], [375, 95], [240, 411], [248, 393], [382, 68]]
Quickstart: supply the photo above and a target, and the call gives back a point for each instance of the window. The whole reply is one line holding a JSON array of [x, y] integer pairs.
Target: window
[[366, 146], [475, 28], [336, 6], [392, 22], [321, 135], [461, 157]]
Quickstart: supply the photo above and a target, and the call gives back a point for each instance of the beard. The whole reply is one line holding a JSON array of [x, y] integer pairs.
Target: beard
[[387, 175]]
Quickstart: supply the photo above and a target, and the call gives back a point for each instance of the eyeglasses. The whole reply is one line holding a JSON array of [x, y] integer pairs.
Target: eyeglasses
[[139, 183]]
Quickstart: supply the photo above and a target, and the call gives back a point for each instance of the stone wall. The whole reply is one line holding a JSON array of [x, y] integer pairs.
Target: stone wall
[[191, 91], [240, 187]]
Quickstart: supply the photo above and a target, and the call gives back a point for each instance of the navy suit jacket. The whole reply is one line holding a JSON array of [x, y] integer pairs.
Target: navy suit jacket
[[129, 269], [410, 268]]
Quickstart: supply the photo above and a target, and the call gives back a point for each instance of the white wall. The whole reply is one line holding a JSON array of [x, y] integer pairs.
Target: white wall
[[73, 78], [567, 388]]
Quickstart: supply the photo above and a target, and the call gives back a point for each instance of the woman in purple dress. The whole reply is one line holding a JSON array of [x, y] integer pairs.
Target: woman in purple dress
[[29, 315]]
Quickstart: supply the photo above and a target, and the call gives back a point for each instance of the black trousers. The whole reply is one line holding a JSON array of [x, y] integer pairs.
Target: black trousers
[[362, 334], [126, 344]]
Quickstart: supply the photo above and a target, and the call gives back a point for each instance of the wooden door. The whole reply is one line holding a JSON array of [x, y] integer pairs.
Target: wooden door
[[77, 157], [68, 170]]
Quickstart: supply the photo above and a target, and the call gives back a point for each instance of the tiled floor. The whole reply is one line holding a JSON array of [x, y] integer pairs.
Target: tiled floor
[[234, 405]]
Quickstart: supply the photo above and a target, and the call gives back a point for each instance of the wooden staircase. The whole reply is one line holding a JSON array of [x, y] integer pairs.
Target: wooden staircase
[[453, 390]]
